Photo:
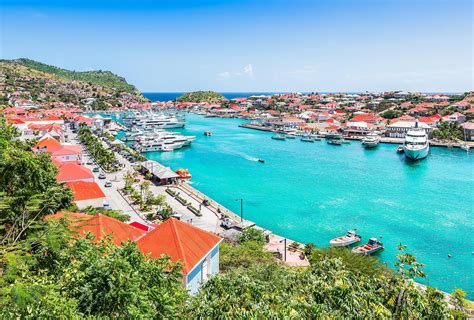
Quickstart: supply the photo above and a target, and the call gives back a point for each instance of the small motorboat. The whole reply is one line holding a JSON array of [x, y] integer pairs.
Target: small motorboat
[[184, 173], [307, 139], [370, 247], [261, 160], [350, 238], [400, 149], [208, 133], [279, 137], [465, 147], [335, 142]]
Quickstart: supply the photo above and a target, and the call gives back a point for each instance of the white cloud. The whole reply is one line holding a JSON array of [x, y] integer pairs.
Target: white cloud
[[248, 69]]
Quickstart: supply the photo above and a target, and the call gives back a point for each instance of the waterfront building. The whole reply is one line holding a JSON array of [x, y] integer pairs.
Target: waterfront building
[[356, 128], [161, 174], [196, 249], [468, 129], [86, 194], [455, 117], [400, 128]]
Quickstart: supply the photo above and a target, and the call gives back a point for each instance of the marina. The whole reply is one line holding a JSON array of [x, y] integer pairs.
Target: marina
[[311, 201]]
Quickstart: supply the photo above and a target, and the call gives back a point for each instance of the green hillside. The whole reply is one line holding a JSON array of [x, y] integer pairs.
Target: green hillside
[[102, 78], [202, 96]]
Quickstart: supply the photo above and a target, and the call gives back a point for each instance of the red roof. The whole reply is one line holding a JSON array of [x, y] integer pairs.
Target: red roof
[[49, 144], [100, 226], [67, 149], [181, 241], [84, 190], [140, 226], [71, 171]]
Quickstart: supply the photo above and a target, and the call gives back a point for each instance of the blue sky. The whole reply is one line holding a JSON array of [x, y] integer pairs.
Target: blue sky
[[260, 45]]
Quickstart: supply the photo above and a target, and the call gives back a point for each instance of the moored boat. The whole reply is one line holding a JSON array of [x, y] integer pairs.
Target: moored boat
[[350, 238], [207, 133], [416, 145], [400, 149], [370, 247], [371, 140], [307, 139], [183, 173], [335, 142], [279, 137]]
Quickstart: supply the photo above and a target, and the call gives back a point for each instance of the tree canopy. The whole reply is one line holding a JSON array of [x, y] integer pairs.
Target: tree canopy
[[202, 96]]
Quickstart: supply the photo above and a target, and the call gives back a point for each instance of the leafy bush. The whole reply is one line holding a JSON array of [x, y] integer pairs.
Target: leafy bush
[[252, 234]]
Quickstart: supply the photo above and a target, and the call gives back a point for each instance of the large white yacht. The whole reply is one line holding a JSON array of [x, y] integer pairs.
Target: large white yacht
[[151, 120], [371, 140], [162, 141], [416, 145]]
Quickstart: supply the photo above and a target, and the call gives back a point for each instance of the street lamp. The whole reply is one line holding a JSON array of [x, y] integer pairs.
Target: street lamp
[[241, 209], [284, 249]]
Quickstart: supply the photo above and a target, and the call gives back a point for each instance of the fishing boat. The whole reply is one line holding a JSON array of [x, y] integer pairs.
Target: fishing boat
[[416, 145], [370, 247], [400, 149], [279, 137], [183, 173], [307, 139], [350, 238], [335, 142], [371, 140], [208, 133]]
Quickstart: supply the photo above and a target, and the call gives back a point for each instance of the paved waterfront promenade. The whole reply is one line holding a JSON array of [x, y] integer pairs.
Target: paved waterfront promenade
[[211, 214]]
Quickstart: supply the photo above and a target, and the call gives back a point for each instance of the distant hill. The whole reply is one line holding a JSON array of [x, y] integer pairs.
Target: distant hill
[[202, 96], [101, 78]]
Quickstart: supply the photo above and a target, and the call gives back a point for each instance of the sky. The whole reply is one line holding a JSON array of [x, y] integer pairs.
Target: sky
[[251, 46]]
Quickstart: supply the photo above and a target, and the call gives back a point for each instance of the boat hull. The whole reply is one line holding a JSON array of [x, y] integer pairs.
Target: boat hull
[[416, 154]]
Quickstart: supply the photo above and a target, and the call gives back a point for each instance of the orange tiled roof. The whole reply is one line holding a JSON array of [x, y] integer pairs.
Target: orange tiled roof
[[181, 241], [100, 226], [51, 144], [72, 171], [84, 190]]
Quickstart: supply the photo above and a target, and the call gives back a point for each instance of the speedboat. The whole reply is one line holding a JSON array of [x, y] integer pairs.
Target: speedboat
[[370, 247], [371, 140], [261, 160], [279, 137], [207, 133], [350, 238], [335, 142], [416, 145]]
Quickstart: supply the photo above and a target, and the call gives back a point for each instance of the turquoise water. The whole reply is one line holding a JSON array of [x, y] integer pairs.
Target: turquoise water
[[312, 192]]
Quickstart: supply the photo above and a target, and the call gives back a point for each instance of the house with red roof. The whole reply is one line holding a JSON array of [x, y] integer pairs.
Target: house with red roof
[[61, 152], [367, 117], [432, 121], [72, 171], [87, 194], [100, 226], [196, 249], [455, 117], [468, 131]]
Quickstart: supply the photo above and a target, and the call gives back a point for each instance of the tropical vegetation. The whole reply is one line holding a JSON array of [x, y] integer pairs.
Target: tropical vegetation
[[202, 96], [47, 272], [104, 157], [448, 131]]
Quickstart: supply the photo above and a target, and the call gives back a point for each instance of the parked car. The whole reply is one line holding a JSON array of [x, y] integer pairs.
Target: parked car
[[106, 206], [227, 223], [102, 176], [96, 169], [90, 162], [108, 184]]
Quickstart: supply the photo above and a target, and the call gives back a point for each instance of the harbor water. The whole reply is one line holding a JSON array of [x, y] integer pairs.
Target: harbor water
[[312, 192]]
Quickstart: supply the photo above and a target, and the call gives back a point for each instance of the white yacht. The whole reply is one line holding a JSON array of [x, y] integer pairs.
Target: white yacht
[[161, 121], [371, 140], [416, 145]]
